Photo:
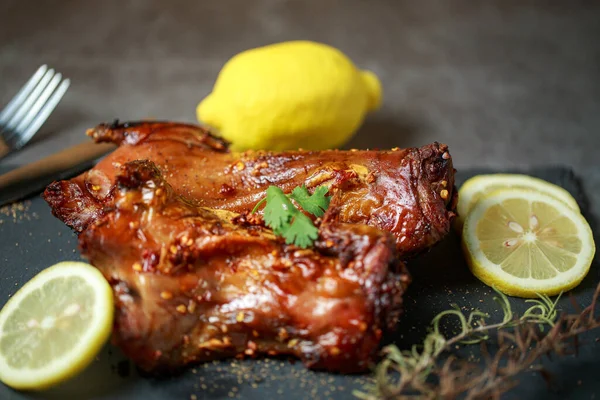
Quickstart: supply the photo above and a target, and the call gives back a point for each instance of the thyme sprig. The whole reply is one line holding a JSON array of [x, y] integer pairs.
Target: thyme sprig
[[419, 372]]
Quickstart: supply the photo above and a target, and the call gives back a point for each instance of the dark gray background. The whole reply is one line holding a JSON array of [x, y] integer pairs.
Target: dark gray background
[[505, 84], [512, 82]]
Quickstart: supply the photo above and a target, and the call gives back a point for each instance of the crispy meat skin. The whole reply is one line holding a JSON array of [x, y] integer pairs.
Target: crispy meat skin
[[407, 192], [194, 284]]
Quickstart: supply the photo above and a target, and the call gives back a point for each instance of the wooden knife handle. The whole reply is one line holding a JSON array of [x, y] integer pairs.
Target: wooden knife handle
[[4, 149], [57, 162]]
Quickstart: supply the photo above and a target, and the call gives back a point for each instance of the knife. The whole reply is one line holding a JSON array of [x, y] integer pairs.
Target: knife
[[34, 177]]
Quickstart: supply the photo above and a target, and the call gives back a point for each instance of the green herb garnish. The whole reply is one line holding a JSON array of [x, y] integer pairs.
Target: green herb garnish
[[287, 220], [432, 371]]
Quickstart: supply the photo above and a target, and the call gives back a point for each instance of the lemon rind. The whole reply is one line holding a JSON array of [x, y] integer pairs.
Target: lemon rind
[[84, 351], [518, 179], [492, 275], [479, 183]]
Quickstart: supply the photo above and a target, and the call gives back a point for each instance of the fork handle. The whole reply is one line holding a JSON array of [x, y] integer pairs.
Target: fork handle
[[56, 163]]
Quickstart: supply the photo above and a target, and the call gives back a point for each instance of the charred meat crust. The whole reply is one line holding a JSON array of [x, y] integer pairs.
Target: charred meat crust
[[133, 132], [407, 192], [195, 284]]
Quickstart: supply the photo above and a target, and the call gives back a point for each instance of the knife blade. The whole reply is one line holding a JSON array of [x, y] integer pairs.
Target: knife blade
[[32, 178]]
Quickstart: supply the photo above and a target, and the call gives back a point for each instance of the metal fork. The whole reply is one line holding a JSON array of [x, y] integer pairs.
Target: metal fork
[[28, 110]]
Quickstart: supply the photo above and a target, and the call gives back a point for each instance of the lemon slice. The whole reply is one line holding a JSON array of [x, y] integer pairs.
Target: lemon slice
[[54, 326], [527, 242], [473, 189]]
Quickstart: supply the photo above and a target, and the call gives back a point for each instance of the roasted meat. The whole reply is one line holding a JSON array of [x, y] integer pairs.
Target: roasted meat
[[407, 192], [193, 283]]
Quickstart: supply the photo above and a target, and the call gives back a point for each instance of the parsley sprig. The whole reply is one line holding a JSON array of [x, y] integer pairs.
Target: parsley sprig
[[287, 220]]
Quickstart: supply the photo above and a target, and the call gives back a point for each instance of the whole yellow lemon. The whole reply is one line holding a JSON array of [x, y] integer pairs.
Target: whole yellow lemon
[[290, 95]]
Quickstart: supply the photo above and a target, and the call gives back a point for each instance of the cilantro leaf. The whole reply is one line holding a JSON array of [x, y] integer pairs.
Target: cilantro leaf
[[278, 210], [316, 204], [286, 220], [302, 232]]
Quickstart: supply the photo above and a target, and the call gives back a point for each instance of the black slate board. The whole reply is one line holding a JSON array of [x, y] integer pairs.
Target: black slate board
[[32, 239]]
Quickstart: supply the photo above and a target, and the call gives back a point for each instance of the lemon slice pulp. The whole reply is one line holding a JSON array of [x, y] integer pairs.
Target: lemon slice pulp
[[54, 326], [527, 242], [478, 186]]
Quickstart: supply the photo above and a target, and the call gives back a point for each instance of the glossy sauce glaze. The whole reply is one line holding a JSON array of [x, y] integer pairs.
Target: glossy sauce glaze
[[193, 284], [407, 192]]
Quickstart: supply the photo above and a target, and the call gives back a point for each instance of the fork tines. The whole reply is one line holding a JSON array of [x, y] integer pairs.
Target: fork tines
[[30, 108]]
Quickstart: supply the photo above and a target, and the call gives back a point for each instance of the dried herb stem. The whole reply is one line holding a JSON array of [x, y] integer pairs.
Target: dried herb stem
[[419, 372]]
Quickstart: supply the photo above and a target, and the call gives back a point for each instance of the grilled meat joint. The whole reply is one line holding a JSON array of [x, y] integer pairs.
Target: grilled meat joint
[[194, 284], [407, 192], [165, 218]]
